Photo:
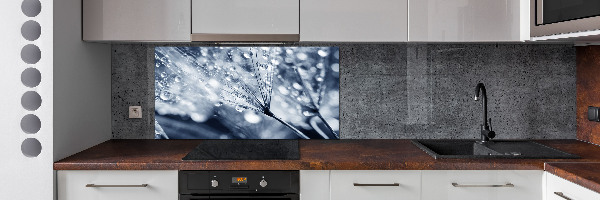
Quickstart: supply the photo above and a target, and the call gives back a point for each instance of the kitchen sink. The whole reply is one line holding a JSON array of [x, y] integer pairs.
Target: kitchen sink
[[441, 149]]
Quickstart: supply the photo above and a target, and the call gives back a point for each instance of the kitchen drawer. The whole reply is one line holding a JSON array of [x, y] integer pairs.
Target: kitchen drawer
[[408, 184], [568, 189], [162, 185], [482, 184]]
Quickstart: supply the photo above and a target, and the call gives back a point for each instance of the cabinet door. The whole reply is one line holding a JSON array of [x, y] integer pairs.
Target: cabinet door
[[245, 17], [482, 184], [314, 185], [468, 20], [375, 185], [136, 20], [561, 189], [117, 185], [354, 20]]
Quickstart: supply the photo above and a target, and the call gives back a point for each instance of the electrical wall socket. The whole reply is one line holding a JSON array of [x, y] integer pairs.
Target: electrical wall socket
[[135, 112]]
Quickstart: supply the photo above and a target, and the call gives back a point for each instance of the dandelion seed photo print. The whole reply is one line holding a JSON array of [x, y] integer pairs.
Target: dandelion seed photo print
[[246, 92]]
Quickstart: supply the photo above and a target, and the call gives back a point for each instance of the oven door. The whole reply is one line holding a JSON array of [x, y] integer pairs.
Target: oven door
[[237, 197]]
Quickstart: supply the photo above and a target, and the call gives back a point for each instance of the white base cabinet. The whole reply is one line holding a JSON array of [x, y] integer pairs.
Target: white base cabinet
[[379, 185], [117, 185], [482, 184], [314, 184], [561, 189]]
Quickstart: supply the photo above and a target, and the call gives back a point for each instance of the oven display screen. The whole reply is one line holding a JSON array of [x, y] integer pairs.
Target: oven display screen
[[239, 180]]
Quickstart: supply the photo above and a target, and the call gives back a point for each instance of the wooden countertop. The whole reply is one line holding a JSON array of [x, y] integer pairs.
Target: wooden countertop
[[581, 173], [314, 155]]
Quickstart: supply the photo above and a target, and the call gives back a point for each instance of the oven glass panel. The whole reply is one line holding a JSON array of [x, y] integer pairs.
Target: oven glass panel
[[554, 11]]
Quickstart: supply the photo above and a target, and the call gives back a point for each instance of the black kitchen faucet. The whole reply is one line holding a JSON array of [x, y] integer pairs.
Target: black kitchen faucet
[[486, 129]]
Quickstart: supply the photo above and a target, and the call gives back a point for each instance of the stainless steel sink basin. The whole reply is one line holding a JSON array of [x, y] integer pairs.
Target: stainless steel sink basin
[[494, 149]]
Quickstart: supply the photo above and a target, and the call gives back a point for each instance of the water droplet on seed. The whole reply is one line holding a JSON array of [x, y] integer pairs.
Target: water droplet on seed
[[322, 53], [308, 113], [239, 108], [165, 95]]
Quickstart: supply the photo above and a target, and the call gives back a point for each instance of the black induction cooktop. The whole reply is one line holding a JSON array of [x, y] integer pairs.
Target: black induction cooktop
[[245, 150]]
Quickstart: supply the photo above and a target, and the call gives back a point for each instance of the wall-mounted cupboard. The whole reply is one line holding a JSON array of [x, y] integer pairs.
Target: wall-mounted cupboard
[[245, 20], [136, 20], [307, 20], [354, 20]]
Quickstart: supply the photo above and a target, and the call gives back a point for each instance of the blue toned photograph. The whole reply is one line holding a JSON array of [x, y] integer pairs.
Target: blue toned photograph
[[246, 92]]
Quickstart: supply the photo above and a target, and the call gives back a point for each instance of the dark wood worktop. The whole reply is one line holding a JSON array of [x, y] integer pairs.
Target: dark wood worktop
[[314, 155], [581, 173]]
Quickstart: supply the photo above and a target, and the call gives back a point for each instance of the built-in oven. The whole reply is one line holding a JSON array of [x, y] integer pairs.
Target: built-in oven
[[555, 17], [234, 185]]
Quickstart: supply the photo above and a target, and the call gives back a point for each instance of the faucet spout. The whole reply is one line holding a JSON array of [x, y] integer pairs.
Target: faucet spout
[[486, 132]]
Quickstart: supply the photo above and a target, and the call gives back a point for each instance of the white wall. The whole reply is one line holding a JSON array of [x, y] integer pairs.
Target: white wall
[[24, 177], [75, 92], [82, 84]]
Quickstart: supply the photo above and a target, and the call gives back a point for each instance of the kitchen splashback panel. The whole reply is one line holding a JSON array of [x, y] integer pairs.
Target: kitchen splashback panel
[[407, 91], [246, 92]]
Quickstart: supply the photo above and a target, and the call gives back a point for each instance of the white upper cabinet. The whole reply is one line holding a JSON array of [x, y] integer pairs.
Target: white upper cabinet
[[468, 20], [354, 20], [136, 20], [244, 20]]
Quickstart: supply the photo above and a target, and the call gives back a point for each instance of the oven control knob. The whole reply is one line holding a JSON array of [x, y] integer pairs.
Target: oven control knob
[[214, 183], [263, 183]]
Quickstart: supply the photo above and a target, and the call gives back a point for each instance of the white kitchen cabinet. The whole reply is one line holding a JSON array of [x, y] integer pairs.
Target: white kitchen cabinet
[[482, 184], [244, 20], [314, 184], [354, 20], [468, 20], [117, 185], [378, 184], [561, 189], [136, 20]]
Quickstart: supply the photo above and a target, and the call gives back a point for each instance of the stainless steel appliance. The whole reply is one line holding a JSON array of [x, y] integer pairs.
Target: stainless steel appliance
[[555, 17], [234, 185]]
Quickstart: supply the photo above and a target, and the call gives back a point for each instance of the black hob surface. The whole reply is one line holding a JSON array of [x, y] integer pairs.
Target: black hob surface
[[245, 150]]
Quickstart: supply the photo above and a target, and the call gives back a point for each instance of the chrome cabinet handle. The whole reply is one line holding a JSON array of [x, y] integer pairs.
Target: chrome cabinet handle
[[560, 194], [362, 184], [505, 185], [94, 185]]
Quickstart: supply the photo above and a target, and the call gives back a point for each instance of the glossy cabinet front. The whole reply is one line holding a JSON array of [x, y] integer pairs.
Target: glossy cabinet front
[[245, 17], [561, 189], [379, 184], [117, 184], [136, 20], [354, 20], [482, 184], [468, 20]]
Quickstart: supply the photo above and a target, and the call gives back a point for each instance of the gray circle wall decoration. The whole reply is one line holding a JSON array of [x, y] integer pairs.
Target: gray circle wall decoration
[[31, 100], [31, 54], [31, 8], [31, 30], [31, 147], [31, 124], [31, 77]]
